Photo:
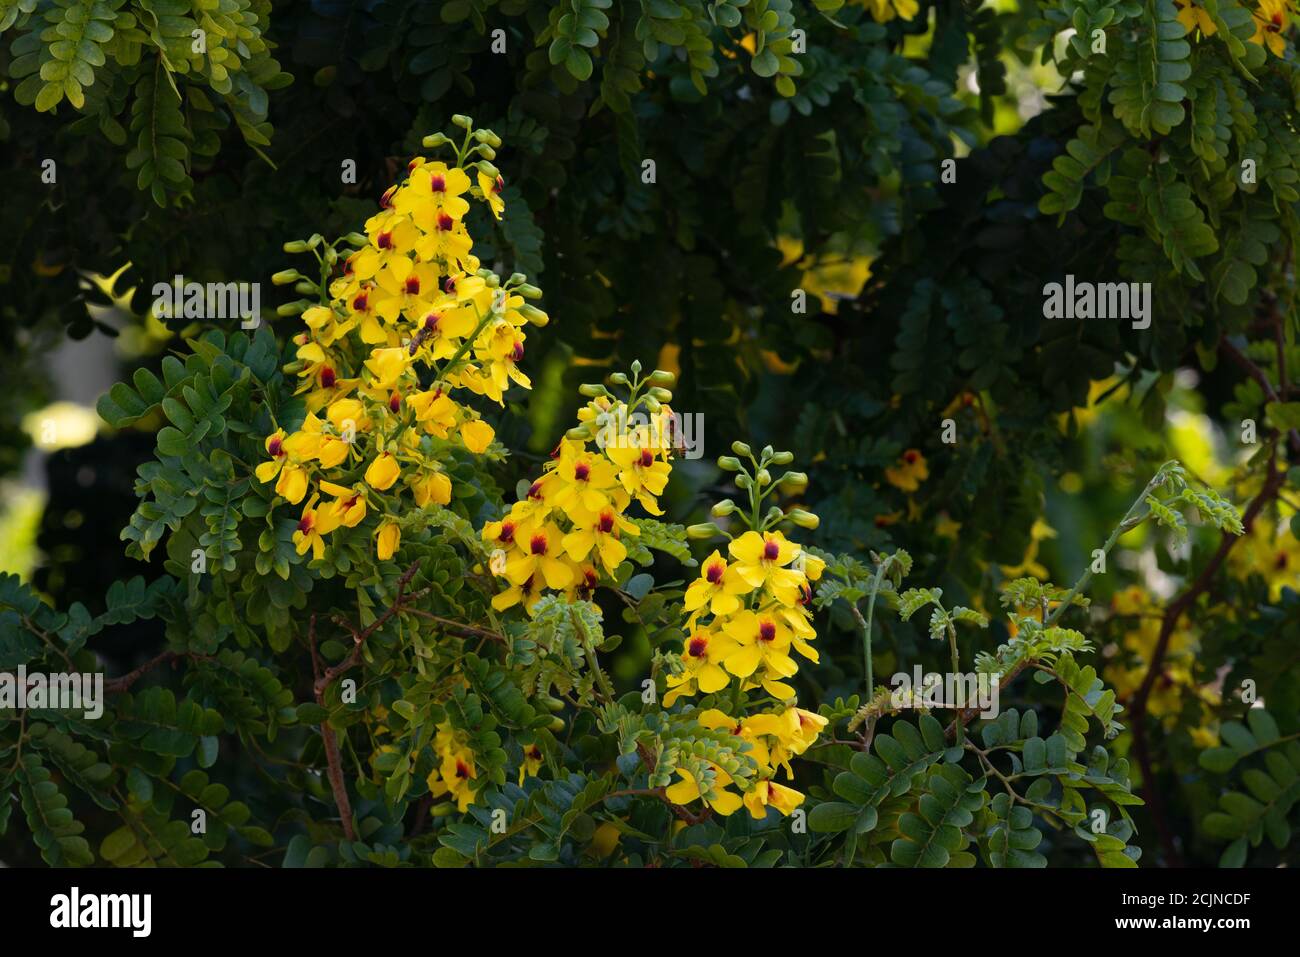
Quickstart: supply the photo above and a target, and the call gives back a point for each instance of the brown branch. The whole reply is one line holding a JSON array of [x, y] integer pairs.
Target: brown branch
[[468, 631], [331, 674], [1138, 702], [124, 682], [333, 759], [968, 714]]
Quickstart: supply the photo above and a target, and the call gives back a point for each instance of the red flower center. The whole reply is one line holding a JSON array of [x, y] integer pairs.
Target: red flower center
[[359, 303], [767, 631], [327, 378], [385, 239], [606, 522], [538, 545], [535, 490], [499, 185], [413, 285], [771, 551], [273, 446], [507, 532], [394, 402], [910, 457], [307, 522], [462, 770], [449, 285], [698, 647], [386, 201], [445, 222], [517, 353], [714, 573], [581, 471], [438, 183], [647, 458]]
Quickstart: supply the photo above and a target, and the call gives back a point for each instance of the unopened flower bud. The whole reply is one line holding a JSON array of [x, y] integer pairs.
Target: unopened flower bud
[[461, 120], [663, 395], [534, 315], [743, 481], [592, 390], [723, 508], [286, 276], [702, 531], [618, 378], [660, 377], [729, 463], [528, 291], [794, 480], [767, 452], [356, 239], [652, 403], [294, 308], [764, 478], [782, 458], [296, 246], [740, 448], [803, 518], [434, 140], [636, 366]]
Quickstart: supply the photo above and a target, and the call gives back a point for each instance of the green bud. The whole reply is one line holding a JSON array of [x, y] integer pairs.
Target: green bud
[[782, 458], [534, 315], [487, 153], [529, 291], [435, 140], [443, 809], [557, 724], [331, 255], [794, 480], [743, 481], [740, 448], [729, 463], [461, 120], [592, 390], [551, 703], [492, 139], [286, 276], [516, 278], [315, 240], [701, 532], [764, 478], [802, 518], [296, 246], [294, 308], [767, 452], [774, 514], [636, 366], [660, 377], [663, 395], [652, 403], [488, 168], [618, 378], [577, 434], [305, 288], [723, 508], [356, 239]]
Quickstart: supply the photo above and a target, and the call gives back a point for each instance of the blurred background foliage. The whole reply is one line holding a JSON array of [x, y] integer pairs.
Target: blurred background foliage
[[676, 173]]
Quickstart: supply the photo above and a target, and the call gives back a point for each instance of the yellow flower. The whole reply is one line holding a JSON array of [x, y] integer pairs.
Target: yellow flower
[[434, 487], [492, 189], [1272, 19], [452, 777], [882, 11], [312, 527], [761, 561], [383, 472], [765, 794], [387, 538], [687, 790], [477, 435], [533, 758], [702, 654], [717, 586], [538, 556], [909, 473], [602, 534], [1193, 17], [349, 504]]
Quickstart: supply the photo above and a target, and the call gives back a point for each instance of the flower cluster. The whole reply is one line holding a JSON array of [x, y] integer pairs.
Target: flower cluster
[[455, 771], [773, 739], [409, 319], [566, 534], [1272, 18], [747, 614]]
